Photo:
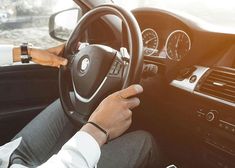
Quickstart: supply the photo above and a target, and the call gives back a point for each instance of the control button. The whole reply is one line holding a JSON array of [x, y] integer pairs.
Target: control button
[[116, 72], [112, 69], [115, 69], [226, 127], [233, 130], [210, 116], [231, 151], [221, 125], [193, 79], [201, 110], [199, 115]]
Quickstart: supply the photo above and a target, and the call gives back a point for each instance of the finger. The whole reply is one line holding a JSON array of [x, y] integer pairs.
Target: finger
[[57, 61], [128, 114], [132, 102], [132, 90]]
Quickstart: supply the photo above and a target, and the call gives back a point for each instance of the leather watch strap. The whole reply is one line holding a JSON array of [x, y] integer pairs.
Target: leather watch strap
[[25, 56]]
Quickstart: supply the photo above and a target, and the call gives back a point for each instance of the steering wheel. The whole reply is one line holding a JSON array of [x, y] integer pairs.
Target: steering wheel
[[97, 70]]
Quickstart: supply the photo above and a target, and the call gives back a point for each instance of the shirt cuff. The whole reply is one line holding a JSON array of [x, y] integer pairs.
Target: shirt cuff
[[6, 55], [87, 146]]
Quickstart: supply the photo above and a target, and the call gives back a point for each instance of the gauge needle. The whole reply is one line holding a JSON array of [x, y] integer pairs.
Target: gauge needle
[[177, 43], [176, 54], [146, 42]]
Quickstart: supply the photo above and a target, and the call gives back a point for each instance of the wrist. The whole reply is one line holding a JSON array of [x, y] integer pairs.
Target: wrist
[[25, 52], [16, 51], [97, 134], [16, 54]]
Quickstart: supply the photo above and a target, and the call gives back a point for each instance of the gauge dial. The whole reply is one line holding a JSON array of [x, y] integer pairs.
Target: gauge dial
[[178, 45], [150, 41]]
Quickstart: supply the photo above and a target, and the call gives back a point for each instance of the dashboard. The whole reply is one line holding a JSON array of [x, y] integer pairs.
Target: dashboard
[[180, 40], [199, 59]]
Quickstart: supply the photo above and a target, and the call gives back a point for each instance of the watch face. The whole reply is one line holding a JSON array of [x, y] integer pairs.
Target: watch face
[[25, 58]]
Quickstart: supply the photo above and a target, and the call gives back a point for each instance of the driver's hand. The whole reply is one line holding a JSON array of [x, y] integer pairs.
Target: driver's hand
[[50, 57], [114, 114]]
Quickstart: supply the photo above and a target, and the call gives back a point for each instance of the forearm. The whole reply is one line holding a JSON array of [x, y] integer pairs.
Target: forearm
[[50, 57], [16, 54]]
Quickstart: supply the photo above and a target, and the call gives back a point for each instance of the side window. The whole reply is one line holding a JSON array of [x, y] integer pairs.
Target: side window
[[27, 21]]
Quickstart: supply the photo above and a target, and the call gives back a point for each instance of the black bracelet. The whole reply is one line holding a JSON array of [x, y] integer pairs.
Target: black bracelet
[[100, 128]]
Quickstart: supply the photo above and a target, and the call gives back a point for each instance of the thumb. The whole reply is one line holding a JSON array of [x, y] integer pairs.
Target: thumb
[[63, 61], [60, 61], [130, 91]]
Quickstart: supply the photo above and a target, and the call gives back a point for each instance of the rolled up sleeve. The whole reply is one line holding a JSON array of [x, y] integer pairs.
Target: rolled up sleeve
[[81, 150], [6, 57]]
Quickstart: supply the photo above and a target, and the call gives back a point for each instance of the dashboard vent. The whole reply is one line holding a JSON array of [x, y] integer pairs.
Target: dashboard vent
[[219, 83]]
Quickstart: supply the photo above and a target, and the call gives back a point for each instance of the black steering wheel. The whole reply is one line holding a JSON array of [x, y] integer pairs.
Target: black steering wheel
[[98, 70]]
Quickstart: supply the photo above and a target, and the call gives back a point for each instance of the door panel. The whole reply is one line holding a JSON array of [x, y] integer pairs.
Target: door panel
[[25, 90]]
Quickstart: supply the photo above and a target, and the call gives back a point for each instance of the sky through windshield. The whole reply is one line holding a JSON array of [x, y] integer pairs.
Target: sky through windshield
[[218, 12]]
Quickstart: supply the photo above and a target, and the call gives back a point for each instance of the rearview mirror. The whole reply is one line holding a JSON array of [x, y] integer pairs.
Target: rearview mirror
[[61, 24]]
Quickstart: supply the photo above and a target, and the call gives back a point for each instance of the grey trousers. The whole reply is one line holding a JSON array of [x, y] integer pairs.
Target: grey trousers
[[45, 135]]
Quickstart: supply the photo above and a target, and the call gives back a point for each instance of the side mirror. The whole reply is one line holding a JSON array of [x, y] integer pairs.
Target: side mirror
[[61, 24]]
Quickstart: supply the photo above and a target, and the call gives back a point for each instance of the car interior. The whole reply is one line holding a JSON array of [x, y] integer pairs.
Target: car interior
[[187, 72]]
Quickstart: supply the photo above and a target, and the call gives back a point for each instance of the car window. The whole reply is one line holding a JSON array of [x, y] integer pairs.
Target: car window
[[27, 21]]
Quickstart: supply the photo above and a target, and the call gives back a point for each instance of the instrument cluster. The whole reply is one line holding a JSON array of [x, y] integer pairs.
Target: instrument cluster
[[176, 46]]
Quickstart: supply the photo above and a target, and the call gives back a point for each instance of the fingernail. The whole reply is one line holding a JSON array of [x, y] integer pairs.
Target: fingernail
[[137, 102], [65, 61], [139, 88]]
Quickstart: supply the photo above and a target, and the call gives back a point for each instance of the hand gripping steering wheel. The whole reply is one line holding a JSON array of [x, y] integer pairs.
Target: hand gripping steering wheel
[[97, 70]]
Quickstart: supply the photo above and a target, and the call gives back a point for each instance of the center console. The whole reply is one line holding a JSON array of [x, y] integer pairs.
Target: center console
[[214, 113]]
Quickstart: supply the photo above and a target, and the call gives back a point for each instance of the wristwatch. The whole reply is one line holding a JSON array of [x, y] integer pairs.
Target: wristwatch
[[25, 52]]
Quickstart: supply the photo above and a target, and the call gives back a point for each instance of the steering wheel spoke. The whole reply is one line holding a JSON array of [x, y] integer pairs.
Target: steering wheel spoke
[[117, 66], [125, 55], [82, 45]]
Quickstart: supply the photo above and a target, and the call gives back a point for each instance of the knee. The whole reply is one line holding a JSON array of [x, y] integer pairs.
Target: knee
[[145, 138], [149, 146]]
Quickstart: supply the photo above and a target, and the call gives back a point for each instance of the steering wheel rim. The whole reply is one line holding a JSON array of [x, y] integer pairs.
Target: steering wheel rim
[[79, 110]]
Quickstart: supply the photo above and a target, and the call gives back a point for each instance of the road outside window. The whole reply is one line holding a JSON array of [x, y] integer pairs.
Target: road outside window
[[27, 21]]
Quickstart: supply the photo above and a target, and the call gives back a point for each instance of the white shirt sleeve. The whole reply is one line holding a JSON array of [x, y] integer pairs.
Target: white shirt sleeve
[[6, 57], [81, 151]]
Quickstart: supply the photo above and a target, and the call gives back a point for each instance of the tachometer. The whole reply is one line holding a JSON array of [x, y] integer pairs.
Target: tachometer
[[178, 45], [150, 41]]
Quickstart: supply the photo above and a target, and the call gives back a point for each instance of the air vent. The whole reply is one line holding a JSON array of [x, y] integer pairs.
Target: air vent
[[219, 83]]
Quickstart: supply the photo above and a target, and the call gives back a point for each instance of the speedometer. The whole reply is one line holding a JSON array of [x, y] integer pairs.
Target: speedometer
[[178, 45], [150, 41]]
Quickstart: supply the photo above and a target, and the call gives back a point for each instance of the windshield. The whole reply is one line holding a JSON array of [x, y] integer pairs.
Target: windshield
[[218, 12]]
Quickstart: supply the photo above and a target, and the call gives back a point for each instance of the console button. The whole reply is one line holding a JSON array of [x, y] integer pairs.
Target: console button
[[210, 116], [233, 130], [193, 79], [221, 125]]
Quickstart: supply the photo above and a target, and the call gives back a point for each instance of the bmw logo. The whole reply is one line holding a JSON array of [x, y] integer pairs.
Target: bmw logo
[[85, 64]]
